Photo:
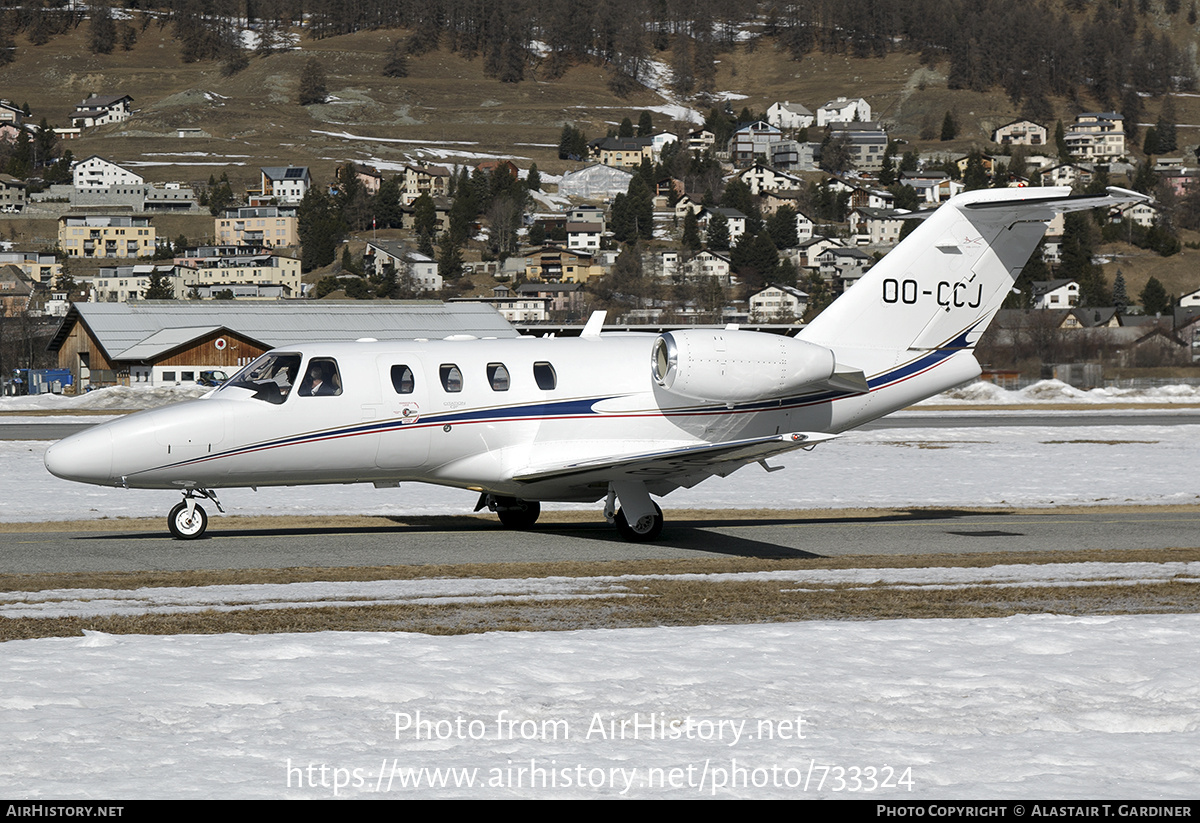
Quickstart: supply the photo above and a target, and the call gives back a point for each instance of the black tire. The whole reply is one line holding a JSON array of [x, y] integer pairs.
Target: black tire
[[187, 528], [645, 530], [517, 514]]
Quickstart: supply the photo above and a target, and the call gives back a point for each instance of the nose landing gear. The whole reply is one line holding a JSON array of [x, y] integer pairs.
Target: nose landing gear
[[188, 521]]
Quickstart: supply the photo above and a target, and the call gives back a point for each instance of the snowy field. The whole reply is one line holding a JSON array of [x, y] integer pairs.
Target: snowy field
[[1023, 707]]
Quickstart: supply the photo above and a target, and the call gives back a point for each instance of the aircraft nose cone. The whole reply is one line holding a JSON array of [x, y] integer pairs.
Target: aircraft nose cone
[[86, 457]]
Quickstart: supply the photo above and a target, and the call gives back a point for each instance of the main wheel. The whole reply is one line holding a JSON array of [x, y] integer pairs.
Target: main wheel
[[184, 526], [644, 530], [517, 514]]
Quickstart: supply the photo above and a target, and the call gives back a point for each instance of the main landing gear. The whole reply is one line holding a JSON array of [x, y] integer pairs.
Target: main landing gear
[[645, 529], [638, 520], [188, 521], [513, 513]]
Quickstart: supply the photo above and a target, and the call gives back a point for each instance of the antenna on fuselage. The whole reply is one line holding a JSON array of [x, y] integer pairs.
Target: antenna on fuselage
[[595, 324]]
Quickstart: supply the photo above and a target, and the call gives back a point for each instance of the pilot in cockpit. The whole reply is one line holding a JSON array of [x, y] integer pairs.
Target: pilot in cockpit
[[285, 377], [321, 380]]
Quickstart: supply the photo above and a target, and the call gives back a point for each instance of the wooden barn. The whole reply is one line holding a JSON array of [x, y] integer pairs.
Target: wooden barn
[[154, 342]]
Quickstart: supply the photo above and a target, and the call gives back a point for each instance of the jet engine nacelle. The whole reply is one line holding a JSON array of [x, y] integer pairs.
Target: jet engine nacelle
[[730, 366]]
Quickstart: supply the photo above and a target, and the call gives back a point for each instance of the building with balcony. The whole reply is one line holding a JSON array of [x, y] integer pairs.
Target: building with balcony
[[106, 236]]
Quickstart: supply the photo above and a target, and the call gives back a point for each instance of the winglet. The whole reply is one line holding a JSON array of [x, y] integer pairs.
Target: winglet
[[595, 324]]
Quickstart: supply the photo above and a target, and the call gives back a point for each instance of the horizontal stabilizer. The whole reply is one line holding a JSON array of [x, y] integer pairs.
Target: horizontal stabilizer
[[1114, 196]]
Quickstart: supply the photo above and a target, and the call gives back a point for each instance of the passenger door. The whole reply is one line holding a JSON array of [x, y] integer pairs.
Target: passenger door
[[403, 439]]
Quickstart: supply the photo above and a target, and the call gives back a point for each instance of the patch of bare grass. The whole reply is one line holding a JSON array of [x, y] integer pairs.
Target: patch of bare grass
[[669, 601], [667, 593]]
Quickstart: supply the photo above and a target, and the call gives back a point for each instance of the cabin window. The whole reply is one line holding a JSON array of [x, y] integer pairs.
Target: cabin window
[[322, 378], [168, 377], [497, 376], [402, 380], [452, 379], [187, 376], [544, 374]]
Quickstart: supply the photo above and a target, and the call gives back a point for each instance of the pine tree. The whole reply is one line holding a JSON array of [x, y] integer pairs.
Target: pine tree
[[976, 176], [949, 127], [39, 26], [220, 198], [320, 230], [1119, 297], [1077, 262], [1154, 297], [102, 31], [533, 180], [887, 173], [159, 288], [1165, 126], [1150, 143], [397, 60], [645, 125], [782, 227], [450, 261], [718, 232], [691, 231], [128, 35], [626, 128], [622, 223], [312, 83], [44, 144], [641, 206], [387, 204], [755, 259]]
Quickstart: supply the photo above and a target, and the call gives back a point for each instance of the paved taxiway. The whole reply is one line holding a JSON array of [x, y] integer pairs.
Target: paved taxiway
[[470, 540]]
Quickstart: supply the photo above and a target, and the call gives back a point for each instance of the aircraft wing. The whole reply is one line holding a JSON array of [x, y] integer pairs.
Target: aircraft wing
[[668, 469]]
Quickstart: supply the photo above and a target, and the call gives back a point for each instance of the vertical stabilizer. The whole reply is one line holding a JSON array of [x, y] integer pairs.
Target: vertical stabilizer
[[939, 288]]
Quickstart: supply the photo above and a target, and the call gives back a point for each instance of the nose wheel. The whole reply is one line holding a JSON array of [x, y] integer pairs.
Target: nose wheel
[[187, 520], [185, 524]]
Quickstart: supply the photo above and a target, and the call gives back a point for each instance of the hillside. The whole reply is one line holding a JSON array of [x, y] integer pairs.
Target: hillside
[[449, 111]]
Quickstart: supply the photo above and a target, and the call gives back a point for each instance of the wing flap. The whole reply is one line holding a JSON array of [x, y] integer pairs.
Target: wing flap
[[668, 464]]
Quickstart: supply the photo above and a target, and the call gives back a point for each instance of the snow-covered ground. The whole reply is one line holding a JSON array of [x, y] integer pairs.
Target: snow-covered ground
[[1023, 707], [1055, 391]]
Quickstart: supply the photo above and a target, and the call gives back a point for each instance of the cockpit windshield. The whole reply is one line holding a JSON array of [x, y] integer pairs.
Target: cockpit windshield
[[271, 377]]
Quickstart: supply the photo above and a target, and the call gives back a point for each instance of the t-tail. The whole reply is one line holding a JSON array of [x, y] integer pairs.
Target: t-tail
[[911, 322]]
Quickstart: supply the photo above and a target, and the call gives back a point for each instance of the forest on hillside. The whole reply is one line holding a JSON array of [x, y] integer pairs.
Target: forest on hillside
[[1102, 51]]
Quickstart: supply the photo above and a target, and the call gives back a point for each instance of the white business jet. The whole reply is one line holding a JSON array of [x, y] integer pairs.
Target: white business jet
[[619, 417]]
